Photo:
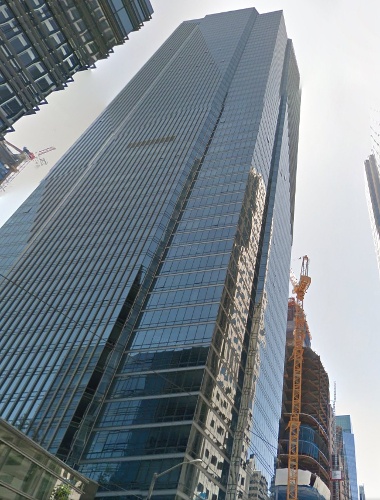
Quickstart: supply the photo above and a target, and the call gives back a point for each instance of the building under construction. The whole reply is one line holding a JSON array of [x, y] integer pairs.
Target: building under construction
[[314, 443]]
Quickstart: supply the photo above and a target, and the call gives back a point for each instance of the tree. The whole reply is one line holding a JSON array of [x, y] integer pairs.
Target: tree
[[61, 492]]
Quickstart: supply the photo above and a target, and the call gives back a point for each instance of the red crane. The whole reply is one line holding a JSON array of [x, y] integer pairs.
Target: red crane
[[11, 163]]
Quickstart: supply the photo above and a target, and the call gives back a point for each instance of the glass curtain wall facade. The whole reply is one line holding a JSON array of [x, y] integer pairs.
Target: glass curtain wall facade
[[44, 42], [344, 421], [146, 278]]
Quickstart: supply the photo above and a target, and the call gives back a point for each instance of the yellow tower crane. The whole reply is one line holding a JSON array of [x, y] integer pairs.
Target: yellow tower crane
[[299, 288]]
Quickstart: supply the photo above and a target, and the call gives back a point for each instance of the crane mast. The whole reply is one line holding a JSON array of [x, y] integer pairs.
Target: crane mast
[[299, 288]]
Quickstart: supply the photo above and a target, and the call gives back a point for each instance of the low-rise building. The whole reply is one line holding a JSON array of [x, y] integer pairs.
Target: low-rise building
[[27, 471]]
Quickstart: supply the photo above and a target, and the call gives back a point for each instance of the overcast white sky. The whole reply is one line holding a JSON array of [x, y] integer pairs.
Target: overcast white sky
[[337, 44]]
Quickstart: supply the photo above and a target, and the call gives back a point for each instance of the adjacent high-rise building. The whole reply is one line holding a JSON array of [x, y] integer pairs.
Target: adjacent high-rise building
[[145, 280], [44, 42], [373, 200], [256, 485], [344, 422], [361, 492], [341, 487], [314, 443]]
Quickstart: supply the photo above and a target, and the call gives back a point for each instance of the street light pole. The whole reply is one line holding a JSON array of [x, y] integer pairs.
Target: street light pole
[[156, 475]]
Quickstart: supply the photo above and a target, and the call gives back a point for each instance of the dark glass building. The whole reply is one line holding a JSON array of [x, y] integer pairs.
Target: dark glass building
[[145, 280], [44, 42]]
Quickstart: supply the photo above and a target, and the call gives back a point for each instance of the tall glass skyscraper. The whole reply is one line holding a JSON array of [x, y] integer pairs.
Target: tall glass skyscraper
[[43, 43], [344, 421], [145, 281]]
